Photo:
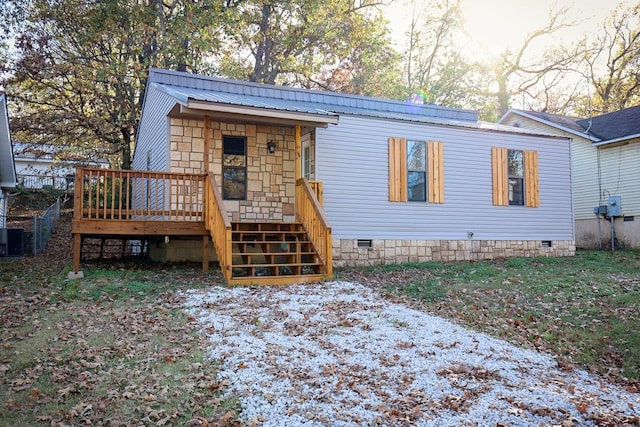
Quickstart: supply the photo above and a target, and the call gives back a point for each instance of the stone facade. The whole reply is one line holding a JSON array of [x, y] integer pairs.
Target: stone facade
[[270, 177], [347, 253]]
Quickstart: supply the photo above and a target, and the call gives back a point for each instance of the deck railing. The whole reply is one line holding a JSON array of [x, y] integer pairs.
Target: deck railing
[[309, 213], [219, 226], [138, 195], [316, 187]]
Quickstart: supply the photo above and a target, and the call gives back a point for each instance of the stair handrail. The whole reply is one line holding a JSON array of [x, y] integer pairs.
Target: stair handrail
[[310, 214], [219, 225]]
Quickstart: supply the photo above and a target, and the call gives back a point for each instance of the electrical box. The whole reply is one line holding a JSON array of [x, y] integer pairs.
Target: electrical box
[[601, 210], [615, 206]]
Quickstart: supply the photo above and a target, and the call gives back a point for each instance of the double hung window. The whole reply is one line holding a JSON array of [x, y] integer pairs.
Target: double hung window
[[416, 171], [515, 177]]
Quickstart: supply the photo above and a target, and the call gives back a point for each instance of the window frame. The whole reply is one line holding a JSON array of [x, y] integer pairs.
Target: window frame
[[225, 168], [413, 171], [398, 171], [514, 180], [500, 177]]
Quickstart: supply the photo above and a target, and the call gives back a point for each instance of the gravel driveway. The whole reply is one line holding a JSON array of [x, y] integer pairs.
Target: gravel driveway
[[338, 354]]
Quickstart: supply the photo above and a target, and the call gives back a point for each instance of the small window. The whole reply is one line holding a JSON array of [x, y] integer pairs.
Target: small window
[[234, 168], [515, 167], [417, 171], [306, 162], [546, 243]]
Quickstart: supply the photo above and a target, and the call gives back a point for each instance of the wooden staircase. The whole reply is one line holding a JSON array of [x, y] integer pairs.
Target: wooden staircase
[[274, 253]]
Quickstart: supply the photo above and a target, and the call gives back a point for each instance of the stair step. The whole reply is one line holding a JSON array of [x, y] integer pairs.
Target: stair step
[[291, 264], [273, 251], [266, 226]]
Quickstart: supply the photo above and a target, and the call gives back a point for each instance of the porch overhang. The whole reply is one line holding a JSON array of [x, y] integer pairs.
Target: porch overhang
[[256, 114]]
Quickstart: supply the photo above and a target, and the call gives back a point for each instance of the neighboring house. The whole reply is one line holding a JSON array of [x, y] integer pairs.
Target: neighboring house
[[49, 166], [605, 158], [8, 180], [370, 180]]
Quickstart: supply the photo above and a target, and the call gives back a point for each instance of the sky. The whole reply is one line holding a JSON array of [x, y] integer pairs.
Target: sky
[[496, 25]]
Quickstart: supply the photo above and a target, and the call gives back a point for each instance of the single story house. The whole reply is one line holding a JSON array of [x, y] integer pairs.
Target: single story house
[[49, 166], [290, 182], [605, 158], [8, 179]]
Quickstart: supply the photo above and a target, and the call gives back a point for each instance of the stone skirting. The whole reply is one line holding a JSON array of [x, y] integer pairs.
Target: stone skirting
[[347, 253]]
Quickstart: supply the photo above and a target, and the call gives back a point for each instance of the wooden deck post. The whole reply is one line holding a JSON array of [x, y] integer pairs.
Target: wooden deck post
[[77, 248]]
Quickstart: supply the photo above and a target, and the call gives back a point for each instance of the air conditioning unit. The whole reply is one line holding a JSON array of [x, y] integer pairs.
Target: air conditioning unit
[[11, 242]]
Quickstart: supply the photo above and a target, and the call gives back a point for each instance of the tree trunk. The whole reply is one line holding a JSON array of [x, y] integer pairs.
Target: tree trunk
[[126, 147]]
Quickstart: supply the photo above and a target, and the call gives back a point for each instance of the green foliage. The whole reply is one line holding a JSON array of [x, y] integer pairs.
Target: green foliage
[[335, 45], [82, 66]]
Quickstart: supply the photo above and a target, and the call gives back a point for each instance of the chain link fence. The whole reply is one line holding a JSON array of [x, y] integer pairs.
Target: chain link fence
[[43, 226]]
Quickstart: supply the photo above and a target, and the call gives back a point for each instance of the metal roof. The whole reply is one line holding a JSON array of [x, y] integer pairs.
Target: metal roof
[[186, 87]]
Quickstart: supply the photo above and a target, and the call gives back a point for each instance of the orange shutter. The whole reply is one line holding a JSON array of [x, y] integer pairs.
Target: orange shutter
[[500, 178], [397, 170], [435, 172], [532, 195]]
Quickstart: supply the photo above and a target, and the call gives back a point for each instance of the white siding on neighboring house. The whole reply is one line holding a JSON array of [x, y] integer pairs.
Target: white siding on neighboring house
[[620, 175], [352, 161]]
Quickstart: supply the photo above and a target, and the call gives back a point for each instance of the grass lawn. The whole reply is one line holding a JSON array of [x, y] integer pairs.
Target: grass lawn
[[117, 348], [585, 310]]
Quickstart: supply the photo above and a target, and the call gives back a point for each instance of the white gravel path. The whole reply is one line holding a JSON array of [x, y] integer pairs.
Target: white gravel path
[[337, 354]]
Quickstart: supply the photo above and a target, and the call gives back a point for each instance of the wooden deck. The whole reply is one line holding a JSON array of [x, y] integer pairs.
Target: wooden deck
[[138, 205]]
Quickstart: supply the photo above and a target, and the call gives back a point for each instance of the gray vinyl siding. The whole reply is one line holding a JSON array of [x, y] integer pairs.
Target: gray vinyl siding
[[352, 161], [620, 175], [153, 132]]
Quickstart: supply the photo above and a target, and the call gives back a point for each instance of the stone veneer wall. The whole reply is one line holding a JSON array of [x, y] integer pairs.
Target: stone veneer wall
[[270, 177], [347, 253]]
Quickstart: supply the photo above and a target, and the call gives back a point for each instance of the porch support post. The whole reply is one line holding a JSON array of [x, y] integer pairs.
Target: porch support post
[[205, 253], [298, 154], [77, 248], [75, 272], [207, 143]]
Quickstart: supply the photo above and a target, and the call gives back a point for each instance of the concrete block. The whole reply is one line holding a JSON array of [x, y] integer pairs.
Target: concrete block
[[73, 275]]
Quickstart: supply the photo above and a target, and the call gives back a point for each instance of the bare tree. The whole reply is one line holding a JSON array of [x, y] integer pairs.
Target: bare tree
[[514, 74], [613, 62]]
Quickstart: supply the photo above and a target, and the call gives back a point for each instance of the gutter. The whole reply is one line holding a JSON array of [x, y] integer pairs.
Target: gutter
[[616, 140]]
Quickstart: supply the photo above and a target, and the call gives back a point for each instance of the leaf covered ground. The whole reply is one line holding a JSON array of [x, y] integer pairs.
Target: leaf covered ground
[[117, 348], [113, 349], [584, 310]]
